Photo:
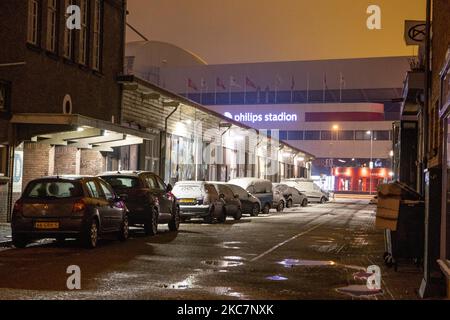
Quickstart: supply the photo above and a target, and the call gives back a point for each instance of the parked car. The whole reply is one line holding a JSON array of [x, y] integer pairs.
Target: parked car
[[260, 188], [309, 188], [291, 195], [250, 204], [279, 201], [68, 207], [233, 206], [149, 199], [200, 199]]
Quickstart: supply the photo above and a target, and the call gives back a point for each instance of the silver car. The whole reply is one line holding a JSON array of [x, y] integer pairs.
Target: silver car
[[199, 199], [290, 195]]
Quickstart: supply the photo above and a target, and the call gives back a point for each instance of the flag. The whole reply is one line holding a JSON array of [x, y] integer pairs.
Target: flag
[[324, 86], [249, 83], [192, 85], [278, 81], [233, 82], [220, 84], [203, 84], [341, 85]]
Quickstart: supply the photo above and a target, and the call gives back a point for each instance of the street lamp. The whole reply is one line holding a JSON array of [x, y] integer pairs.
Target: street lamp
[[370, 133], [336, 132]]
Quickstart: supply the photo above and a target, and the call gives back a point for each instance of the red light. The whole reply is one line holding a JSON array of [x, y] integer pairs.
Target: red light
[[18, 208], [79, 206]]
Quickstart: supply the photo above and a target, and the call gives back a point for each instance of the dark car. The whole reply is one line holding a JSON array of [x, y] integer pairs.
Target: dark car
[[291, 195], [260, 188], [149, 199], [68, 207], [233, 206], [200, 199], [249, 203]]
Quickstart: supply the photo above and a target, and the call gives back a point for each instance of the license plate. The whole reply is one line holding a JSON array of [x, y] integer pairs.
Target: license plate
[[46, 225], [187, 200]]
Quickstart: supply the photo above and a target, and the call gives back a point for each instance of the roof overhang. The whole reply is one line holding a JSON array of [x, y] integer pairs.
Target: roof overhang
[[413, 91], [77, 131]]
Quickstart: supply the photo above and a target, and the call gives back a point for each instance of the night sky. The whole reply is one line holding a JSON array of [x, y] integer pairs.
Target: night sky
[[236, 31]]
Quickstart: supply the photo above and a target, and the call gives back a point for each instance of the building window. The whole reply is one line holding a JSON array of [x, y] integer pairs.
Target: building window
[[52, 22], [362, 135], [97, 36], [312, 135], [283, 135], [346, 135], [3, 97], [382, 135], [326, 135], [33, 22], [82, 54], [68, 34], [295, 135]]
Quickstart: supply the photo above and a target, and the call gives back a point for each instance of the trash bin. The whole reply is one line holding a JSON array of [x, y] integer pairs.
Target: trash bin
[[401, 213]]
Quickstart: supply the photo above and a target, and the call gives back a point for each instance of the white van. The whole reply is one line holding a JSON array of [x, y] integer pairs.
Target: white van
[[309, 188]]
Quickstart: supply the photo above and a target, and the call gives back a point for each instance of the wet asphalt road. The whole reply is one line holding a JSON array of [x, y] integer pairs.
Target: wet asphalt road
[[303, 253]]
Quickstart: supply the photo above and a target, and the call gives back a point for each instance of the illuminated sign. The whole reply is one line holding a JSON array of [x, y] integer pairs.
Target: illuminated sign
[[260, 117]]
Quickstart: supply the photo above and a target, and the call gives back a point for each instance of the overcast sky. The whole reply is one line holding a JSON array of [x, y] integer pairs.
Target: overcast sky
[[237, 31]]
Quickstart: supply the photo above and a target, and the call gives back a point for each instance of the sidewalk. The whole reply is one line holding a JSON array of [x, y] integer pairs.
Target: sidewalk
[[5, 233]]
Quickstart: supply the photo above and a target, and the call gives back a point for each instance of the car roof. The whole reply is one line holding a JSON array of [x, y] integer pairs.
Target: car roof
[[64, 177], [190, 182], [125, 173]]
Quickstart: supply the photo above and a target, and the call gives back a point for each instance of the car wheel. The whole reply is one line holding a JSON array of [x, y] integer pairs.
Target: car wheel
[[323, 200], [174, 224], [280, 206], [209, 218], [223, 216], [255, 210], [289, 204], [305, 202], [151, 227], [124, 229], [266, 209], [90, 237], [19, 241], [238, 215]]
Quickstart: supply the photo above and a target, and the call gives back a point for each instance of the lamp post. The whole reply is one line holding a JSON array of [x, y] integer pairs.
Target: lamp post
[[370, 133], [336, 131]]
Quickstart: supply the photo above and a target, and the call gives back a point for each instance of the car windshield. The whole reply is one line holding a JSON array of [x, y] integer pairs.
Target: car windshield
[[122, 182], [52, 189], [187, 190]]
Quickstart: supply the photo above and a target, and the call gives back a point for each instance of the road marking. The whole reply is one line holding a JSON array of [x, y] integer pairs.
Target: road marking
[[287, 241]]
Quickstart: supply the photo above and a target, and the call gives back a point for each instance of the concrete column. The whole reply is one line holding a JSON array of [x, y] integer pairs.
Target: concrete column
[[92, 163]]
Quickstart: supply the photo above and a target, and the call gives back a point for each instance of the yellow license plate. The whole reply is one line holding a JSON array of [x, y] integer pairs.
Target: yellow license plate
[[187, 200], [46, 225]]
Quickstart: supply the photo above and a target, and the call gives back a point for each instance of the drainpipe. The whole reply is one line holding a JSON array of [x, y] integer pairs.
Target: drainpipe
[[163, 145]]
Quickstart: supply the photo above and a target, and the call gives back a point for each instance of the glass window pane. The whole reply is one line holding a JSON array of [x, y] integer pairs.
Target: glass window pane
[[312, 135]]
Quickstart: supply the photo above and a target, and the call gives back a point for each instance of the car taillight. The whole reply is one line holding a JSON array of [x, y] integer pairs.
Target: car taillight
[[79, 206], [18, 208]]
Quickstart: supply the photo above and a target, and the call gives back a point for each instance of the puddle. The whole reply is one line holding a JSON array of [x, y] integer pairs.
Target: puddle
[[276, 278], [359, 291], [231, 245], [290, 263], [222, 263], [225, 291]]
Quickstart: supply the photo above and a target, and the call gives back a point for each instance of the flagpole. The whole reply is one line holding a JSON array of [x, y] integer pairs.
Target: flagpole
[[245, 92], [229, 91], [215, 93], [340, 86], [292, 89], [307, 88], [324, 84]]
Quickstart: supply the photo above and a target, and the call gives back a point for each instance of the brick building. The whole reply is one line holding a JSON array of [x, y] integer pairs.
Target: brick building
[[57, 83]]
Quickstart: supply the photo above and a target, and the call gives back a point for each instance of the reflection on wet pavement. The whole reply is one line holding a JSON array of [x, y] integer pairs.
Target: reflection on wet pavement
[[277, 278], [359, 291], [290, 263]]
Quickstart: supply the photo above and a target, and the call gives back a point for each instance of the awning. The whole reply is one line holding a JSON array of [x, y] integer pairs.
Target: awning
[[77, 131]]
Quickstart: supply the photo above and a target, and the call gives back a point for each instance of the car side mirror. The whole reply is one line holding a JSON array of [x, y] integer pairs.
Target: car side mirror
[[122, 197], [169, 188], [236, 196]]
